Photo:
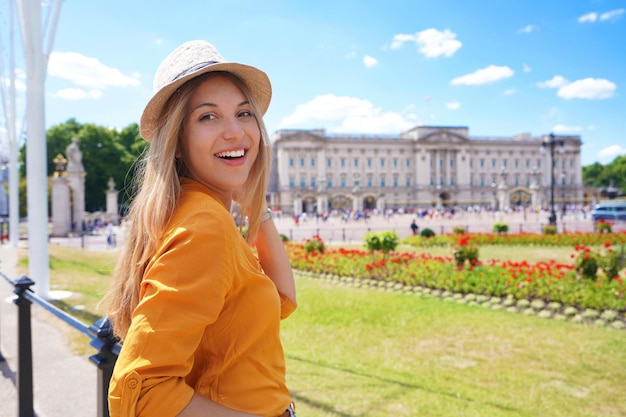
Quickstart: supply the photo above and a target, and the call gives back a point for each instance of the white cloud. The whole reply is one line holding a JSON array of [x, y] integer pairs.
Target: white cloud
[[588, 18], [453, 105], [611, 15], [486, 75], [564, 129], [369, 61], [528, 29], [556, 82], [431, 42], [400, 39], [526, 68], [343, 114], [593, 17], [87, 71], [589, 88], [611, 152], [78, 94]]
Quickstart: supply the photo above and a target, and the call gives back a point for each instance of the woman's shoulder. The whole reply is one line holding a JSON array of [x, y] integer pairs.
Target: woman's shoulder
[[199, 210]]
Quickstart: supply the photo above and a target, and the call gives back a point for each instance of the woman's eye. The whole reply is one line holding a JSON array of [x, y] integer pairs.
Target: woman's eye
[[245, 114], [207, 117]]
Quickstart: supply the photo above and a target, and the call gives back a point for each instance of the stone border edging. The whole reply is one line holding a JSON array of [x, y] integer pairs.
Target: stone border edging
[[536, 307]]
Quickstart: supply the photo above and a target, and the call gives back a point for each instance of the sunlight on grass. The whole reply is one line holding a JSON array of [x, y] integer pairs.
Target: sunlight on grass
[[363, 352], [357, 352]]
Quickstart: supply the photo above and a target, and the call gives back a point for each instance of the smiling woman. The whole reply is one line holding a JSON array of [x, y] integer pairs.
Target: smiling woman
[[197, 312]]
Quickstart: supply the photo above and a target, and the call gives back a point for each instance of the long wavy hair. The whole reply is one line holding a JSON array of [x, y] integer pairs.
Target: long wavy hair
[[157, 190]]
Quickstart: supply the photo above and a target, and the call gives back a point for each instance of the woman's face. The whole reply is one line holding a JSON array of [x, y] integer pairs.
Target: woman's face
[[220, 137]]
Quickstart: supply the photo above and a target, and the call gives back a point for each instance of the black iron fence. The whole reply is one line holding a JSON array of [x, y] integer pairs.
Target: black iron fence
[[100, 333]]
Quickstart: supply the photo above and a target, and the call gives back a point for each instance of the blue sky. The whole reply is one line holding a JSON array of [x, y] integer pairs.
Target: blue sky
[[372, 67]]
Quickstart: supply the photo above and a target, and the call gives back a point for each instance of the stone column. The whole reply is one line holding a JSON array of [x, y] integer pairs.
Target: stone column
[[112, 207], [61, 221]]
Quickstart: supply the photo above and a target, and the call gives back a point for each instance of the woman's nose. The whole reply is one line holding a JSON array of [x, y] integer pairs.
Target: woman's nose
[[232, 129]]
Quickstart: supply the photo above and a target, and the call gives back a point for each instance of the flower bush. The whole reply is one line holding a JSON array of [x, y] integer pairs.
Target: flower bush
[[314, 245], [603, 226], [500, 228], [588, 261], [549, 230], [547, 281], [384, 241], [464, 251], [528, 239]]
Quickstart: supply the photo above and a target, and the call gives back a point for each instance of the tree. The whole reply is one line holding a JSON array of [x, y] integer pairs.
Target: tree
[[106, 153], [598, 175]]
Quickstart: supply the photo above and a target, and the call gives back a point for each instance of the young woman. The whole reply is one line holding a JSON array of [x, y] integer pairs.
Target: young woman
[[197, 312]]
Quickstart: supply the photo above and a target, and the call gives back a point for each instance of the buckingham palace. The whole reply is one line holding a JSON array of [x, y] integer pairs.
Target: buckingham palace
[[424, 167]]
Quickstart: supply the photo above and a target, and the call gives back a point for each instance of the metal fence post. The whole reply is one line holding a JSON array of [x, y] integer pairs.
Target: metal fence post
[[105, 359], [25, 349]]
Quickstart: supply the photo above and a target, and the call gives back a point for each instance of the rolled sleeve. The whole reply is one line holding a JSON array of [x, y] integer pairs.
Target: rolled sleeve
[[180, 296]]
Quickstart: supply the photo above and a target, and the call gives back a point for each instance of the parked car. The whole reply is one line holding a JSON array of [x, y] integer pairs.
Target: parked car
[[612, 211]]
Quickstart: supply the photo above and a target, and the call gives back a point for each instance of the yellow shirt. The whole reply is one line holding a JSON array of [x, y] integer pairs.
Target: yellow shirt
[[208, 321]]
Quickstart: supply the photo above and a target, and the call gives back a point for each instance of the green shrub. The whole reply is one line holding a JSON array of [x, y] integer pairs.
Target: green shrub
[[384, 241], [500, 228], [612, 262], [458, 230], [603, 227], [464, 251], [549, 230], [284, 238], [314, 245], [587, 263], [426, 232]]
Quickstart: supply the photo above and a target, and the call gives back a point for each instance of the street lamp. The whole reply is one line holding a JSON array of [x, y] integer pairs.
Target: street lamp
[[563, 208], [551, 143], [495, 196]]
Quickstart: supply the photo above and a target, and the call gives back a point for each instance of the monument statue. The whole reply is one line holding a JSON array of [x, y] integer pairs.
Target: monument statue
[[74, 157]]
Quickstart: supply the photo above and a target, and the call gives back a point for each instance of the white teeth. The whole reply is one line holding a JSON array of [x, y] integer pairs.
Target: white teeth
[[231, 154]]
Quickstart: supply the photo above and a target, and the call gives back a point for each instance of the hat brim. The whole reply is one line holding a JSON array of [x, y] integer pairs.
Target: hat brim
[[256, 80]]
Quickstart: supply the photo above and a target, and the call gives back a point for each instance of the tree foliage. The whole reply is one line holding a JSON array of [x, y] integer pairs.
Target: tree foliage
[[107, 153], [601, 176]]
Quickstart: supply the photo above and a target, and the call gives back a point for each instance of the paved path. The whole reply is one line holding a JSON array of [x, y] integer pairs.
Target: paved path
[[65, 384]]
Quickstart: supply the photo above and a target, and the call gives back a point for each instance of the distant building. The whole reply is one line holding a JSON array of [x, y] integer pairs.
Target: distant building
[[427, 166]]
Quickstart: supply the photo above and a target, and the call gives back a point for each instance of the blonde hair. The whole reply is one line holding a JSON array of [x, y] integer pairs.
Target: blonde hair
[[158, 188]]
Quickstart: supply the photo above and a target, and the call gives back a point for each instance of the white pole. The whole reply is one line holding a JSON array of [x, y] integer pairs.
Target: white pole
[[36, 177], [14, 191]]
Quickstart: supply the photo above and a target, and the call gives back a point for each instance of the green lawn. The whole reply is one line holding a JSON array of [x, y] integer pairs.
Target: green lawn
[[363, 352]]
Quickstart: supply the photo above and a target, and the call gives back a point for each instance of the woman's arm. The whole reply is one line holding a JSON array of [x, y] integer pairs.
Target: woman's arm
[[200, 406], [274, 259]]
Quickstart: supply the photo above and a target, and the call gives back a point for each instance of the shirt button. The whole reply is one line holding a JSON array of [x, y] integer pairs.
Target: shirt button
[[132, 383]]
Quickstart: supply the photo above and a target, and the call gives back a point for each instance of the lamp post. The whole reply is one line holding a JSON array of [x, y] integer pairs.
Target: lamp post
[[563, 208], [551, 143]]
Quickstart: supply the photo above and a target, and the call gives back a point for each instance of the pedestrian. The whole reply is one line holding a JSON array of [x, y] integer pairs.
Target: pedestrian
[[414, 227], [110, 236], [197, 312]]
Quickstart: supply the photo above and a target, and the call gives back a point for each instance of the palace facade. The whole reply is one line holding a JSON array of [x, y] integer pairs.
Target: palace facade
[[427, 166]]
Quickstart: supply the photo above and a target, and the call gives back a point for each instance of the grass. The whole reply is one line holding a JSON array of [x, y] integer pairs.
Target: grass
[[362, 352]]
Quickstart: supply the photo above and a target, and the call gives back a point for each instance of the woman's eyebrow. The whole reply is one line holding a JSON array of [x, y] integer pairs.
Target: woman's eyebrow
[[209, 104]]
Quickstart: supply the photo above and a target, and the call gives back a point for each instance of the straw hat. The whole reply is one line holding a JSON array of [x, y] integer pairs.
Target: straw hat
[[188, 61]]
